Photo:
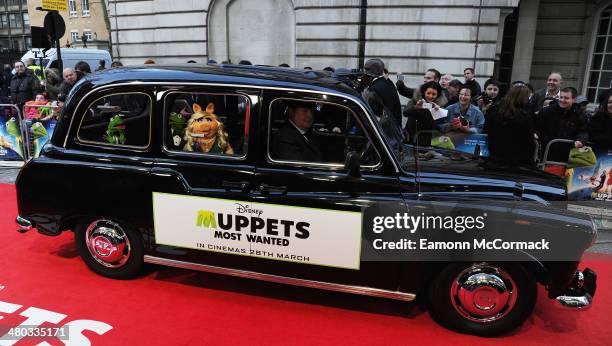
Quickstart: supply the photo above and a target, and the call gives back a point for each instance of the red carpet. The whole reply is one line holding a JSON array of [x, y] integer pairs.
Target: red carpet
[[178, 307]]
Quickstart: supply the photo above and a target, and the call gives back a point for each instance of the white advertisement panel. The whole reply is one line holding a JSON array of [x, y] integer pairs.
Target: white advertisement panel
[[296, 234]]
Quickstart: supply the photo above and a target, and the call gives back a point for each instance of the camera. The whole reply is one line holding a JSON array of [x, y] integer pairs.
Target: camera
[[485, 98]]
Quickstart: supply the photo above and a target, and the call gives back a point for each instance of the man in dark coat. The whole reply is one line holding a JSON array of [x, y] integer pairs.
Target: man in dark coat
[[562, 120], [294, 141], [8, 75], [24, 85], [471, 83], [381, 93]]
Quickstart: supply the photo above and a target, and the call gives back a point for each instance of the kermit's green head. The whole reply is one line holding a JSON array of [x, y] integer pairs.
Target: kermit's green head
[[177, 123], [12, 127], [38, 130], [116, 125], [581, 157]]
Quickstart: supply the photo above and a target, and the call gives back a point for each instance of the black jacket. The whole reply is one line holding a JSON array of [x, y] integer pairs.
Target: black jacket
[[600, 130], [387, 95], [290, 144], [7, 82], [420, 119], [474, 87], [511, 138], [24, 88], [555, 122]]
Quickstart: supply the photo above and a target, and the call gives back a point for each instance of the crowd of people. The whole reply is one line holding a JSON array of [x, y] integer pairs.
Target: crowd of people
[[514, 122], [25, 85]]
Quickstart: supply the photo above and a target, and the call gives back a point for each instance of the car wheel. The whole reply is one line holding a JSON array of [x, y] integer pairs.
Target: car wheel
[[485, 299], [110, 248]]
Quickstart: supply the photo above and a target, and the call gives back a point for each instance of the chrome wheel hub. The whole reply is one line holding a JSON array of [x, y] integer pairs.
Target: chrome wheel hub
[[483, 293], [107, 243]]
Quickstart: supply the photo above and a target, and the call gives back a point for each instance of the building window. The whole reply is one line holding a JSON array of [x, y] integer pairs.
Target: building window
[[28, 43], [14, 20], [3, 21], [26, 20], [85, 7], [74, 36], [88, 35], [600, 71], [72, 10]]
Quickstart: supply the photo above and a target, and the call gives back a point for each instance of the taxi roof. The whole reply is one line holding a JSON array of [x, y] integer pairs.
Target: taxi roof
[[224, 74]]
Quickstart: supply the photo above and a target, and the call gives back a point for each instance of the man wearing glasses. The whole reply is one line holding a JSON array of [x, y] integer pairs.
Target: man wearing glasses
[[24, 85]]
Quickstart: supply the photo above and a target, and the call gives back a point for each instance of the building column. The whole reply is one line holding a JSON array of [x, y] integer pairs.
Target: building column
[[525, 34]]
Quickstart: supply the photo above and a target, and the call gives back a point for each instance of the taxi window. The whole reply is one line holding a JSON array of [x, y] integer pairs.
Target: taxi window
[[314, 132], [118, 120], [207, 123]]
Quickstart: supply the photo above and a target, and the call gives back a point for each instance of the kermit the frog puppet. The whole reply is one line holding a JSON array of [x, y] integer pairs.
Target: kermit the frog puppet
[[115, 134], [581, 157]]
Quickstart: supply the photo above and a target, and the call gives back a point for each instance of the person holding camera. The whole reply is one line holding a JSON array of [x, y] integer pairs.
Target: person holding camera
[[420, 117], [464, 116], [510, 128], [489, 97]]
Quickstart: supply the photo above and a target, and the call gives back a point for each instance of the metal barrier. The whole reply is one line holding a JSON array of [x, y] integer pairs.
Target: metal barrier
[[12, 134], [545, 160]]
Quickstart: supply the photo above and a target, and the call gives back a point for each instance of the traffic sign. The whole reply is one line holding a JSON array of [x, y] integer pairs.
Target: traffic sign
[[55, 25], [55, 5]]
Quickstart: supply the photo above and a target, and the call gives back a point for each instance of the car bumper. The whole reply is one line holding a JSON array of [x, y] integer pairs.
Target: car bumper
[[23, 224], [579, 295]]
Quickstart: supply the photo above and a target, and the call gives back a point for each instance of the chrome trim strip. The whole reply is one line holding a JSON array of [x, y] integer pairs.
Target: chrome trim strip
[[367, 291], [352, 98]]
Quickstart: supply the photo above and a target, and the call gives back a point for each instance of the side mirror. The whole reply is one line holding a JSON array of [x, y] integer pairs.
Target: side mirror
[[353, 164]]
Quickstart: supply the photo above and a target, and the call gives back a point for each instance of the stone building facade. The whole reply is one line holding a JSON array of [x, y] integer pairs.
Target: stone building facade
[[83, 18], [507, 39], [15, 37]]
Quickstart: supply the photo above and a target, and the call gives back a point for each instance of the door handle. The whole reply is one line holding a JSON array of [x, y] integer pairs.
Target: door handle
[[265, 188], [235, 185]]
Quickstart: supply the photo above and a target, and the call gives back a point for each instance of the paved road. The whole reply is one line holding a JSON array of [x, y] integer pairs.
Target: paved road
[[602, 245]]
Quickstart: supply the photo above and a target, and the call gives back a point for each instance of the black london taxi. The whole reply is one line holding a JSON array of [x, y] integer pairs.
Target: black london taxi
[[265, 173]]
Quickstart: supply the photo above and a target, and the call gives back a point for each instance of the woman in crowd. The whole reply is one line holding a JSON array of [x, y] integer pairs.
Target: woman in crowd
[[510, 128], [464, 116], [52, 83], [419, 117], [600, 127]]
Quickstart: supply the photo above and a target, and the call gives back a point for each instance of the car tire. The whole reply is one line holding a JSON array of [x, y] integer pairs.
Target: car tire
[[485, 299], [110, 248]]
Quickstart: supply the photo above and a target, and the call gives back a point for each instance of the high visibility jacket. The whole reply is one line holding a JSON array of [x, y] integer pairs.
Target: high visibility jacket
[[37, 72]]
